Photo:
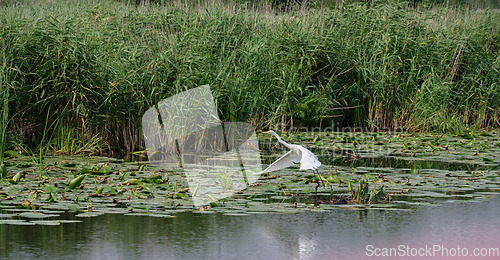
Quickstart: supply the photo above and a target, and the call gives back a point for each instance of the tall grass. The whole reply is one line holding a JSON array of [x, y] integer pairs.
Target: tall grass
[[4, 116], [96, 67]]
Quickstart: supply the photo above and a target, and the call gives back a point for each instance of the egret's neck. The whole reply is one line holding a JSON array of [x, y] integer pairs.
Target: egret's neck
[[281, 140]]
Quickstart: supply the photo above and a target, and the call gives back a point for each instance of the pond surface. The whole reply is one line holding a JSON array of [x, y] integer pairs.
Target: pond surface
[[433, 195], [334, 234]]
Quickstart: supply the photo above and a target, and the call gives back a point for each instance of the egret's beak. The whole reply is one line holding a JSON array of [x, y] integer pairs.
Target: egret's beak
[[267, 132]]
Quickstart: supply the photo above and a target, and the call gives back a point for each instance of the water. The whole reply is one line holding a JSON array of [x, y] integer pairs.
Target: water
[[334, 234], [443, 202]]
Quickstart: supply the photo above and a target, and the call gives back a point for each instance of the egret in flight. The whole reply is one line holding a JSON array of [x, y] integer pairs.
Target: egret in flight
[[297, 155]]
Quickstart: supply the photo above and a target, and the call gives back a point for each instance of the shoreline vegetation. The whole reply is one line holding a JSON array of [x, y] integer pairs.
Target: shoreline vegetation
[[80, 74]]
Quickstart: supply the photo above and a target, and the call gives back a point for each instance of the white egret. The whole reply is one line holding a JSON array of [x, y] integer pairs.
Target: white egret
[[297, 155]]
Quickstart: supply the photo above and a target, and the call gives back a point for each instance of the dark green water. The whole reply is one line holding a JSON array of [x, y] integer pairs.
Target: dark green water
[[335, 234]]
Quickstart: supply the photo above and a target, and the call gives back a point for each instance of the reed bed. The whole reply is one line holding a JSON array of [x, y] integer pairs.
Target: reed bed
[[4, 118], [82, 73]]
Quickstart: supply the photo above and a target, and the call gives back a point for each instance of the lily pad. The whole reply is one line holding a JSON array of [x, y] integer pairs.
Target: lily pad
[[89, 214], [46, 222], [16, 222], [37, 215]]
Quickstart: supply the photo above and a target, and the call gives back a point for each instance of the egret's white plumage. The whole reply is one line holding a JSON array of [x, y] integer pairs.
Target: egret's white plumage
[[296, 155]]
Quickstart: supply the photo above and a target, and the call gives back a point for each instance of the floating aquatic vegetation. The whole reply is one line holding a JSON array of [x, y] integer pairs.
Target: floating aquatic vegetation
[[411, 172], [16, 222], [36, 215]]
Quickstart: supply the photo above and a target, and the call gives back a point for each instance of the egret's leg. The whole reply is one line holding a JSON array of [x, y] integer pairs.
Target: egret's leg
[[316, 172]]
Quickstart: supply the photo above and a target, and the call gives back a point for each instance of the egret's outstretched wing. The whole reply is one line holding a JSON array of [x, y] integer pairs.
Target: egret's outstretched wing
[[287, 160], [309, 160]]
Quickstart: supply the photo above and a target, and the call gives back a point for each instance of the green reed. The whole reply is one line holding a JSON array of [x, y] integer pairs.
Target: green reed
[[4, 116], [96, 67]]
